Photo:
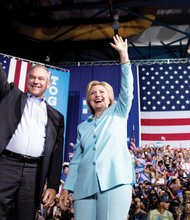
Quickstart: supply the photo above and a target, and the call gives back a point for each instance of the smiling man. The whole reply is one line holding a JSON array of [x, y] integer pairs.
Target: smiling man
[[38, 81], [31, 146]]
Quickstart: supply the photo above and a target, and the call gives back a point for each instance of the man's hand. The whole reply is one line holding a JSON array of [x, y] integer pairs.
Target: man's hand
[[49, 197]]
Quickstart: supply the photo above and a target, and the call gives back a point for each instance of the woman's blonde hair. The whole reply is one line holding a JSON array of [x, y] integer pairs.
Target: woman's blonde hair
[[106, 85]]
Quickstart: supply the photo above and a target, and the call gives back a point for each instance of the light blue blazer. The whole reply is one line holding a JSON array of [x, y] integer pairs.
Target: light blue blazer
[[101, 156]]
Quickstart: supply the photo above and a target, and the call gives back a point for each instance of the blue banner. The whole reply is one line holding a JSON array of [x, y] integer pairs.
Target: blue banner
[[57, 94]]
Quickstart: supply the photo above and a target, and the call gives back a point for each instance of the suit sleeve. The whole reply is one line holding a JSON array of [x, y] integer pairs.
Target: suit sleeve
[[73, 166], [4, 85], [55, 166]]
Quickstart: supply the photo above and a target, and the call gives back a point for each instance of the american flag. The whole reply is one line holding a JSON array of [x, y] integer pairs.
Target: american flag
[[132, 140], [16, 70], [165, 104]]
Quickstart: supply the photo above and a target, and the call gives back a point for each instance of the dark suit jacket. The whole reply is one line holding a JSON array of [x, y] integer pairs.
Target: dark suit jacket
[[12, 102]]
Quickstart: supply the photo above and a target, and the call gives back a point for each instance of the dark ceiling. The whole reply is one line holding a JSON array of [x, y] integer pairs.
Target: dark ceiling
[[76, 30]]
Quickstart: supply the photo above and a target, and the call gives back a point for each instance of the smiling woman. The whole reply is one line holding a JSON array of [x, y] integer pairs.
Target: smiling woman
[[101, 170], [100, 96]]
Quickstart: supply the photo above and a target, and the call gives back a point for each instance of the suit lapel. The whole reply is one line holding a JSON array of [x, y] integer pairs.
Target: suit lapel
[[48, 129], [23, 102]]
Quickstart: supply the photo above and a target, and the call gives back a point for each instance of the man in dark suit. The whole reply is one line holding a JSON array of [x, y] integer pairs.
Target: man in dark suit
[[31, 146]]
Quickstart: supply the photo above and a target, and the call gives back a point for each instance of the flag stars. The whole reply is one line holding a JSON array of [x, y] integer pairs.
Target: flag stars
[[168, 102], [163, 87], [182, 97], [171, 77], [147, 73], [182, 86]]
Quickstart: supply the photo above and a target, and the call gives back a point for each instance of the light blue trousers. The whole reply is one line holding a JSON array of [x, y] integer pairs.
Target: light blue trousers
[[112, 204]]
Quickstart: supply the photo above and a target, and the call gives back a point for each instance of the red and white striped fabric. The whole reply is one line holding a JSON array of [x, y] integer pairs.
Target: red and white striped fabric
[[16, 70]]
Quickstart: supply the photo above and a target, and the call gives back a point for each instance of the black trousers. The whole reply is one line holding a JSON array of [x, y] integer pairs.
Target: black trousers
[[19, 188]]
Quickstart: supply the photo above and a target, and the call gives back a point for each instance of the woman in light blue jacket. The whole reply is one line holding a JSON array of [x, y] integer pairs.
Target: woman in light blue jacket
[[101, 172]]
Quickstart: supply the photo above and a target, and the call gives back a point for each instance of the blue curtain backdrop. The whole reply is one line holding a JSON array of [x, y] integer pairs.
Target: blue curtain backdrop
[[80, 76]]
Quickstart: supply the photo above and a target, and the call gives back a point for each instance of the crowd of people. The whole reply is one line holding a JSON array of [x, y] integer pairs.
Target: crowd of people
[[162, 188], [162, 183]]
